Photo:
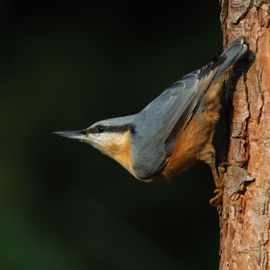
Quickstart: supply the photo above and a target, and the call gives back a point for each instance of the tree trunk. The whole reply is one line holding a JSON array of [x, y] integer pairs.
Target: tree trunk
[[245, 215]]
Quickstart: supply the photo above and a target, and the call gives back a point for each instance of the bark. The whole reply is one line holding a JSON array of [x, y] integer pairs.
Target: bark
[[245, 215]]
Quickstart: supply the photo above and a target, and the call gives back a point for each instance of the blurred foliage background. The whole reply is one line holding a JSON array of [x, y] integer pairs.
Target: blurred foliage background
[[65, 65]]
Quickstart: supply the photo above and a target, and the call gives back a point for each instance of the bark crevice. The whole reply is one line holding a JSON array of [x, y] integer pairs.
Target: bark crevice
[[245, 216]]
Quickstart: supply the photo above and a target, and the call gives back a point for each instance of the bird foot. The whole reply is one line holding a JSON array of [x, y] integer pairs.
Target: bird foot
[[218, 175], [217, 199], [222, 168]]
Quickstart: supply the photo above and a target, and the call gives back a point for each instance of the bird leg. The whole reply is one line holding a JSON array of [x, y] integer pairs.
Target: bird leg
[[207, 155]]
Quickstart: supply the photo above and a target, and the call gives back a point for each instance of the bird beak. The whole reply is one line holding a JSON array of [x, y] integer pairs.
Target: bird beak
[[74, 134]]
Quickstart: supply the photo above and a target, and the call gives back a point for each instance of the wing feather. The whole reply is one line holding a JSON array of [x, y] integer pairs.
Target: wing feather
[[160, 121]]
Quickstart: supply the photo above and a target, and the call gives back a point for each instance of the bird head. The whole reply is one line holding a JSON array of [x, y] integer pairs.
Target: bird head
[[110, 136]]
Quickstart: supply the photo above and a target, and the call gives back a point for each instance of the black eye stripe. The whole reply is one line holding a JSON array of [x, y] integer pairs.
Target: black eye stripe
[[120, 129], [101, 129]]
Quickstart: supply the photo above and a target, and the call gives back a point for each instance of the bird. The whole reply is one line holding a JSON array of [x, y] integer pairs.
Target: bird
[[172, 132]]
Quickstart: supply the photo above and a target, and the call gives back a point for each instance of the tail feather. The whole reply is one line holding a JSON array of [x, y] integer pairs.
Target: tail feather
[[232, 54]]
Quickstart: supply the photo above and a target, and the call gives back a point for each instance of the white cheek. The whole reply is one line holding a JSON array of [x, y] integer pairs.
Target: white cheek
[[96, 140], [107, 138], [116, 139], [102, 140]]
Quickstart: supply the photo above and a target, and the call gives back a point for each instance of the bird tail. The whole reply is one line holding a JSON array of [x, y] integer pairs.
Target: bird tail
[[232, 54]]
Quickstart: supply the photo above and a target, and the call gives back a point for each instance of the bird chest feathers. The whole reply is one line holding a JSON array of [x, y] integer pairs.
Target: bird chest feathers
[[118, 148]]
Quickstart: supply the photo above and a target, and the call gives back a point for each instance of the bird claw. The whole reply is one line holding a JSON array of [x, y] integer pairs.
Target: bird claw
[[218, 174], [217, 199], [222, 168]]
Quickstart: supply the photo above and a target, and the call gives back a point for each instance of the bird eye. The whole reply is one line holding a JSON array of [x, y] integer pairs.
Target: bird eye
[[101, 129]]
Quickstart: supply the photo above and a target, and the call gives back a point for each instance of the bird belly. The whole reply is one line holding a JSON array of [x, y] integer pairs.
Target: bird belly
[[190, 143], [196, 135]]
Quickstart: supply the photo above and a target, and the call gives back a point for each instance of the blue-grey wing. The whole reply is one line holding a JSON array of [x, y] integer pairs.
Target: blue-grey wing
[[165, 116], [157, 125]]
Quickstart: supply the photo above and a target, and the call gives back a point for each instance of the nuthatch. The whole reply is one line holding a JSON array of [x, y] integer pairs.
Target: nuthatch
[[172, 132]]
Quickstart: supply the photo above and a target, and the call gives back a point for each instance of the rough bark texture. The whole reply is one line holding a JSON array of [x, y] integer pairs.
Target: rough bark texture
[[245, 215]]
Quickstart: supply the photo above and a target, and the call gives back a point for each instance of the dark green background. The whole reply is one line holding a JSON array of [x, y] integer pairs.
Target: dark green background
[[63, 205]]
